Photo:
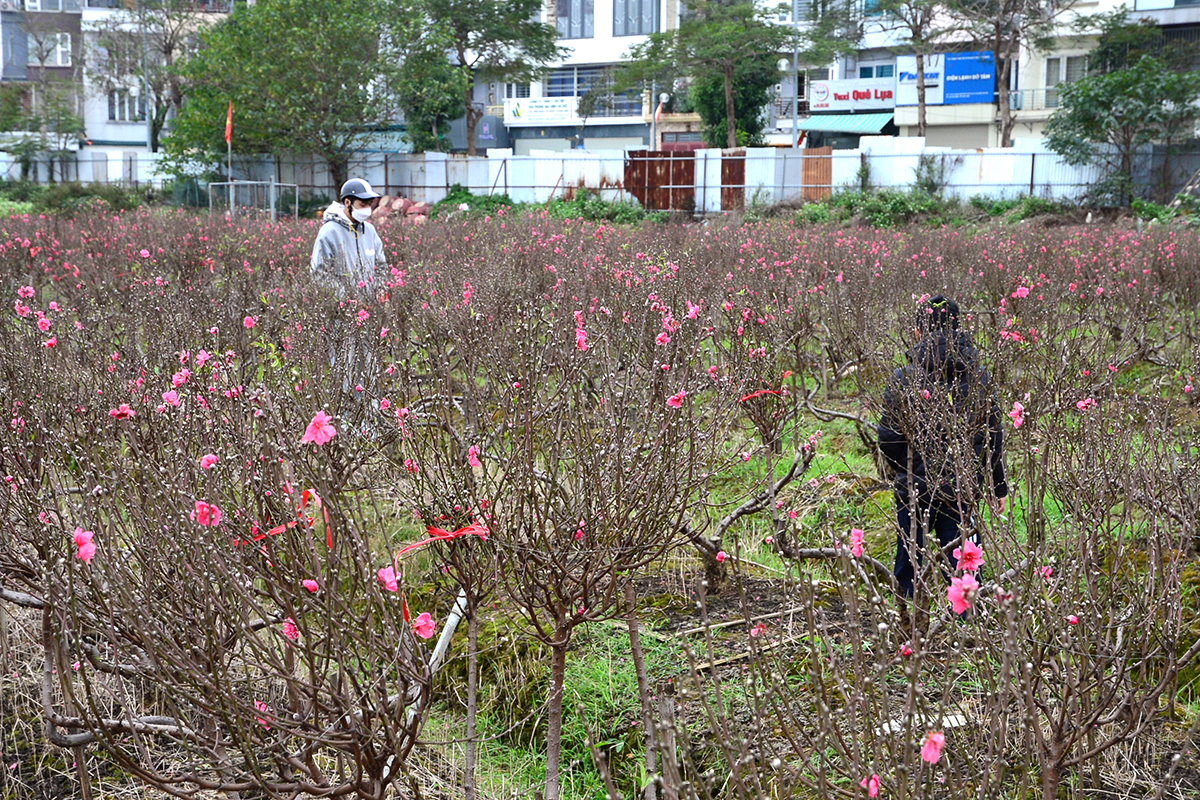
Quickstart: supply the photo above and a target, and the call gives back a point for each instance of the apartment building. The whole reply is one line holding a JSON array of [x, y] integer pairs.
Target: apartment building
[[93, 104], [544, 115]]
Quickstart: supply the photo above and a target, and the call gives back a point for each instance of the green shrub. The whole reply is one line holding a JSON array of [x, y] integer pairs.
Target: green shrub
[[588, 205], [995, 206], [70, 198], [21, 191], [1151, 212], [476, 204], [813, 213], [14, 208]]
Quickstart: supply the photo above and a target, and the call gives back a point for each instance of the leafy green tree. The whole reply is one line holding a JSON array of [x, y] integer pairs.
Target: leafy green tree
[[1106, 117], [717, 41], [923, 26], [431, 92], [500, 40], [304, 77], [1003, 27], [752, 83]]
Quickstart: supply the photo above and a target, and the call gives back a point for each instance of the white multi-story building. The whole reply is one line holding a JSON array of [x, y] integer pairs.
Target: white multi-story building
[[544, 115], [50, 47]]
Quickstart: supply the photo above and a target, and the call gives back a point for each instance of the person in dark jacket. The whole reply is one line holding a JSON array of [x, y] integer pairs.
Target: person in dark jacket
[[941, 433]]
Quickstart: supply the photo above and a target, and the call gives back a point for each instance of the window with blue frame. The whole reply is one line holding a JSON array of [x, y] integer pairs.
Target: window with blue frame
[[577, 81]]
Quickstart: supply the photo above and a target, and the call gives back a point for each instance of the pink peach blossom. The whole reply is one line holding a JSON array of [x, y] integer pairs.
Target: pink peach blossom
[[85, 549], [387, 577], [259, 705], [931, 748], [122, 411], [171, 397], [676, 400], [208, 461], [289, 629], [206, 514], [871, 784], [310, 584], [473, 456], [961, 592], [969, 556], [423, 625], [320, 430], [856, 542]]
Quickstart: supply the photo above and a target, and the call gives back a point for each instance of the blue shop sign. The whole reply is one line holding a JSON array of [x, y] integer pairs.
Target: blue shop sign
[[970, 78]]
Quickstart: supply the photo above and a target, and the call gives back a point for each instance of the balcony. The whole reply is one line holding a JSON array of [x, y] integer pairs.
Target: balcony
[[783, 106], [1034, 100], [198, 6]]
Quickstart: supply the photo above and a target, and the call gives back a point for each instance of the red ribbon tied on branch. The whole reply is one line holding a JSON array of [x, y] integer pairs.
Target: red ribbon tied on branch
[[305, 497], [768, 391], [439, 535]]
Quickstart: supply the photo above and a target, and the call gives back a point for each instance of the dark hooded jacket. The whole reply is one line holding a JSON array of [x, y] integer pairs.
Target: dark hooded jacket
[[941, 429]]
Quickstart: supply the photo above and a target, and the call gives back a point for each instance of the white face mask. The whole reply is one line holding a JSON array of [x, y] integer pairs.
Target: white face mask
[[361, 214]]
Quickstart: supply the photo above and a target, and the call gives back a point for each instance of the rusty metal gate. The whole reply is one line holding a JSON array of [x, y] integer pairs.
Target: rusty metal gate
[[816, 174], [733, 179], [662, 180]]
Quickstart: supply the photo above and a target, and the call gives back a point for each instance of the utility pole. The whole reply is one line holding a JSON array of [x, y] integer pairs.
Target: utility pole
[[796, 74], [146, 86]]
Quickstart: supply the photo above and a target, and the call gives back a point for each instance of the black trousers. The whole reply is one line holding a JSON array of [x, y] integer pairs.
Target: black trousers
[[946, 522]]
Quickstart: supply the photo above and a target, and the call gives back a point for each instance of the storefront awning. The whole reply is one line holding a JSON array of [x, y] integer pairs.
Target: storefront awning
[[845, 123]]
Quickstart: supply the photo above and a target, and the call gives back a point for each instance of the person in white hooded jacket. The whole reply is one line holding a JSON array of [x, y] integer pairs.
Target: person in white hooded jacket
[[345, 258], [348, 251]]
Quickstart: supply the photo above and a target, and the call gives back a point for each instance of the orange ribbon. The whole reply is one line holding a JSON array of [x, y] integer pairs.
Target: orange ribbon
[[304, 498], [439, 535], [765, 391]]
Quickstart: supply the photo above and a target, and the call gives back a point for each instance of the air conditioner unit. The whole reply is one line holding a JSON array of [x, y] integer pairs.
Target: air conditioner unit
[[10, 5]]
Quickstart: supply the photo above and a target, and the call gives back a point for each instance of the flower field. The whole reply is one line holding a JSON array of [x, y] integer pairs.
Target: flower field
[[242, 517]]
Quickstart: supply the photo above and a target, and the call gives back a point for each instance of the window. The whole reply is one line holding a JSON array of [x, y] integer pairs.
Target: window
[[49, 50], [122, 107], [576, 81], [52, 5], [819, 74], [576, 19], [516, 90], [635, 17], [877, 71], [683, 136], [1062, 69]]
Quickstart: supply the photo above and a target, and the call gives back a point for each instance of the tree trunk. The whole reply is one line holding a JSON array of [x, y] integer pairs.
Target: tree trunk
[[473, 116], [472, 694], [554, 713], [639, 667], [1006, 117], [921, 94], [1051, 776], [715, 572], [338, 168], [730, 116]]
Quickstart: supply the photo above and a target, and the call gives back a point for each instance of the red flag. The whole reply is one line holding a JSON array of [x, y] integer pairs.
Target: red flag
[[229, 124], [658, 114]]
